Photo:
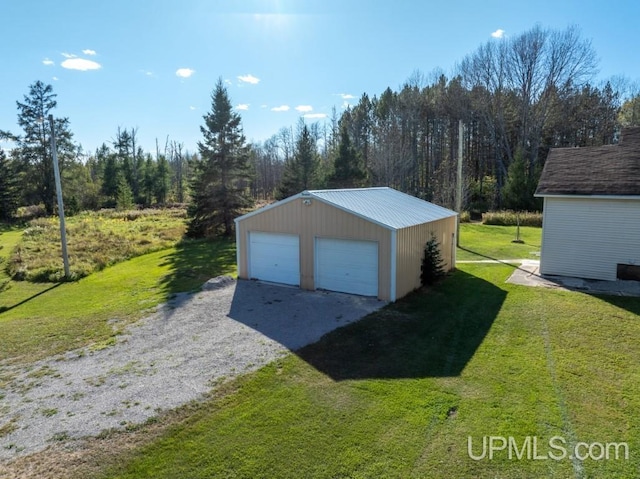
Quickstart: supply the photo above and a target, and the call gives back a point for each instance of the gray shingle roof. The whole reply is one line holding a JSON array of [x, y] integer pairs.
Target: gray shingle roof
[[385, 206], [612, 170]]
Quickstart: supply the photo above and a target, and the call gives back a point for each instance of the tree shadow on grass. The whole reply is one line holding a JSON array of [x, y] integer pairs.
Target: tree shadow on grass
[[196, 261], [630, 303], [432, 333]]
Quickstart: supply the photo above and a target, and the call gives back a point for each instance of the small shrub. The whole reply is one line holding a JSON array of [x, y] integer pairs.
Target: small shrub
[[465, 217], [510, 218], [432, 263]]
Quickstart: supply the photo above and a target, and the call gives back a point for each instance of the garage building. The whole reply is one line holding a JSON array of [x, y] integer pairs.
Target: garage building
[[365, 241], [591, 219]]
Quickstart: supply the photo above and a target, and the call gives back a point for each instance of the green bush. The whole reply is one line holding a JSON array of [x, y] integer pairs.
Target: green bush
[[510, 218], [465, 217], [432, 263]]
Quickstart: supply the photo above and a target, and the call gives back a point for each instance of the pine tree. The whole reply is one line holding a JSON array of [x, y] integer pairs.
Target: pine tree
[[348, 169], [301, 171], [220, 189], [124, 196], [9, 192], [161, 180], [35, 145], [432, 263], [517, 193]]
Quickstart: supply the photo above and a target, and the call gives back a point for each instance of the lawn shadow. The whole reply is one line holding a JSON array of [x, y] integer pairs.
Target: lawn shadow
[[430, 333], [630, 303], [4, 309], [196, 261]]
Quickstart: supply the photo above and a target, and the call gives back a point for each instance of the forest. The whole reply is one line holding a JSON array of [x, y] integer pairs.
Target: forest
[[516, 98]]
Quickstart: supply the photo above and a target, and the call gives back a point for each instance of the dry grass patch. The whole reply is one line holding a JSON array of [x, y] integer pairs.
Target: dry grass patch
[[95, 240]]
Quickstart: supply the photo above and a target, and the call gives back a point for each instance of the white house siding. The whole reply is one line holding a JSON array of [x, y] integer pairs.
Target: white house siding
[[588, 237]]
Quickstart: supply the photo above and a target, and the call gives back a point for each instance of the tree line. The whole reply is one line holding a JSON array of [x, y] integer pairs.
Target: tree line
[[516, 97], [119, 174]]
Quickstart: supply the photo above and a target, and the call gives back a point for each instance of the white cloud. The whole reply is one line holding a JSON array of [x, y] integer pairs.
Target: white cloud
[[192, 108], [263, 106], [249, 79], [499, 33], [80, 64], [228, 82], [55, 78], [280, 108], [69, 55], [314, 116], [184, 72], [242, 106], [89, 52], [304, 108], [48, 62], [345, 105], [346, 96]]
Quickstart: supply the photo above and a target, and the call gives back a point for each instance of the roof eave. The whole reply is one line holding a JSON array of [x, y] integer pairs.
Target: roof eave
[[600, 197]]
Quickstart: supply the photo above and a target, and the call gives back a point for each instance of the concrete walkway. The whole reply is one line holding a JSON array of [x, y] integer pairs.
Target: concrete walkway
[[528, 274]]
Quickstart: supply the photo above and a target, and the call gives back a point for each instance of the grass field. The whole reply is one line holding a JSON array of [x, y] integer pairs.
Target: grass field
[[481, 242], [40, 319], [396, 395], [95, 240]]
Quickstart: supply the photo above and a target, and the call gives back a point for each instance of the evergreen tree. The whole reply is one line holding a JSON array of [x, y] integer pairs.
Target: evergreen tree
[[149, 182], [432, 264], [517, 193], [301, 171], [110, 177], [348, 169], [161, 180], [124, 196], [9, 191], [35, 145], [220, 189]]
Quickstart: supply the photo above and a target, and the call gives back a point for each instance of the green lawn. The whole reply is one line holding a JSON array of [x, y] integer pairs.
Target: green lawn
[[480, 242], [40, 319], [398, 394]]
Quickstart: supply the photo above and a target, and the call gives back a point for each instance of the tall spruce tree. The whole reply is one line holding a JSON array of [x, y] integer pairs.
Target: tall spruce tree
[[301, 171], [9, 192], [348, 170], [35, 145], [221, 184]]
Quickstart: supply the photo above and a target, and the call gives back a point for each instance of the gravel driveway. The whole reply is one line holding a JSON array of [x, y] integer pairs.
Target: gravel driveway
[[165, 360]]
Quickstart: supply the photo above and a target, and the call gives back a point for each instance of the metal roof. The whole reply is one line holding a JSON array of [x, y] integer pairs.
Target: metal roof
[[384, 206]]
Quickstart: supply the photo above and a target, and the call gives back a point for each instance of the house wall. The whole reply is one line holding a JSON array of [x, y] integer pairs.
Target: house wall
[[587, 238], [316, 220], [410, 251]]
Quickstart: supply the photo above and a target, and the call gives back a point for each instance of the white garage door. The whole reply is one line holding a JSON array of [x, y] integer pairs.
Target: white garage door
[[347, 266], [274, 257]]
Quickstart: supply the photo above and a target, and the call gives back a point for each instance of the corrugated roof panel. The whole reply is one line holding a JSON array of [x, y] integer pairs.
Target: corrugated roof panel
[[385, 206]]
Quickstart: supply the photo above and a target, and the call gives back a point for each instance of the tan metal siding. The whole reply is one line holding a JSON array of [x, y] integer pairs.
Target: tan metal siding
[[317, 220], [587, 238], [410, 250]]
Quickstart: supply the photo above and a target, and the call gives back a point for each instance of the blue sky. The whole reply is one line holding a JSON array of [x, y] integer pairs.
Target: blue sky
[[153, 64]]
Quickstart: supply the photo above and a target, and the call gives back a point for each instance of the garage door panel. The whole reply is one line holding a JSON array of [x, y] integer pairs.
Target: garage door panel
[[347, 266], [274, 257]]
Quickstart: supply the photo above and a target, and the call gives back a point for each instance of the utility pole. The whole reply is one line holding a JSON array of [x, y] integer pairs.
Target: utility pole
[[56, 172], [459, 179]]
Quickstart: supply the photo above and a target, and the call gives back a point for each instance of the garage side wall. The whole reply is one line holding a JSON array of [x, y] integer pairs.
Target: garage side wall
[[410, 250], [587, 238], [316, 220]]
